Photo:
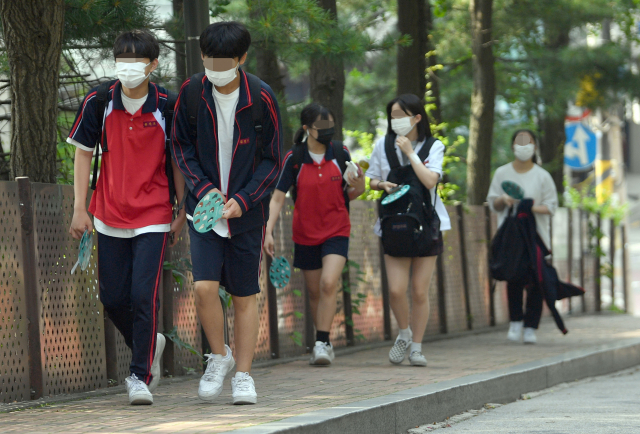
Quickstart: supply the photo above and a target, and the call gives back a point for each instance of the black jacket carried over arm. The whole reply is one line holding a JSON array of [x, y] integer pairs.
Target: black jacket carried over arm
[[543, 273]]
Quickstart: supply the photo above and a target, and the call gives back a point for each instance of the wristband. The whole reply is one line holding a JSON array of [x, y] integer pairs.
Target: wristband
[[414, 157]]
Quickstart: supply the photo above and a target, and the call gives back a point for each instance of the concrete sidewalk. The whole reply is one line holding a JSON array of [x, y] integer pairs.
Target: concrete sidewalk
[[295, 389]]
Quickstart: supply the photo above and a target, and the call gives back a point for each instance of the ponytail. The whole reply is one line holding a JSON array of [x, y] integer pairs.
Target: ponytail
[[298, 137]]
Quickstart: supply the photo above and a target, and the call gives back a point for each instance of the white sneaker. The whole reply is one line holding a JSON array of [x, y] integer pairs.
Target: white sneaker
[[416, 358], [515, 331], [243, 389], [322, 354], [398, 351], [138, 391], [155, 366], [217, 369], [530, 335]]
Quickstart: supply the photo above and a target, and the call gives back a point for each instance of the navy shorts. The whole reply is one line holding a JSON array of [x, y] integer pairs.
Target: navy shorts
[[234, 262], [310, 257]]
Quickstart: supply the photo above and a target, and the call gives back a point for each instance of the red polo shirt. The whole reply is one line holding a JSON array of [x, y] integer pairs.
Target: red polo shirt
[[132, 190], [320, 211]]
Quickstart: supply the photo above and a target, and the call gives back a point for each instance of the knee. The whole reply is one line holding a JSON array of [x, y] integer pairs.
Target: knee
[[328, 287], [397, 292], [419, 296], [244, 304], [204, 291]]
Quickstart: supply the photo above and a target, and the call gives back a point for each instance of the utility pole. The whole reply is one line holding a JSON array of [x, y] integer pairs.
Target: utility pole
[[196, 19]]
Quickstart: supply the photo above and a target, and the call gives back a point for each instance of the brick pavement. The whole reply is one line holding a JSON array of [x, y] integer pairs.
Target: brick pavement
[[295, 388]]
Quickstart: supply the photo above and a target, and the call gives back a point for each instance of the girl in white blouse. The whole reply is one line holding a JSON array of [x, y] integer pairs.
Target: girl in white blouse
[[407, 120]]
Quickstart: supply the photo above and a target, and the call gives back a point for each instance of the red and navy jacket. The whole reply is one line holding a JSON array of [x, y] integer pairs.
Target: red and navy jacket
[[249, 185], [132, 189]]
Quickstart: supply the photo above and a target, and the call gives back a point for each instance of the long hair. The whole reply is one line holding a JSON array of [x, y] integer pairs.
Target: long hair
[[533, 136], [411, 105], [308, 116]]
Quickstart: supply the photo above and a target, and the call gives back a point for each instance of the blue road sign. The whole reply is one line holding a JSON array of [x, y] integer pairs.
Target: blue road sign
[[580, 147]]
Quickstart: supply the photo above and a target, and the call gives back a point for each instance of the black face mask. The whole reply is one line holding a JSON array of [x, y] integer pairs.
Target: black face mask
[[325, 136]]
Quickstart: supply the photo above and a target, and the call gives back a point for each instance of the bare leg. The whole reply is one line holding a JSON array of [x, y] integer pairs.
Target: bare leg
[[420, 283], [398, 277], [312, 282], [332, 266], [245, 330], [210, 314]]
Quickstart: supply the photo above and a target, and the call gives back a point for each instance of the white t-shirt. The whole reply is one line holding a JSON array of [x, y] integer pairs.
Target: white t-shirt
[[131, 105], [316, 157], [379, 169], [225, 118], [537, 184]]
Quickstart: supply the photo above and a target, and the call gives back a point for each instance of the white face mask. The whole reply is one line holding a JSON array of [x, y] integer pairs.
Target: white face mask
[[222, 78], [131, 75], [402, 126], [524, 152]]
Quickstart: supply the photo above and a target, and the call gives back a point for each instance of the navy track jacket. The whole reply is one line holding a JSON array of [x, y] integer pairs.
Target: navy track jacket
[[198, 161]]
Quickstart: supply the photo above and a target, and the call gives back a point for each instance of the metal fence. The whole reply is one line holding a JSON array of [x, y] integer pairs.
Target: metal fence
[[55, 339]]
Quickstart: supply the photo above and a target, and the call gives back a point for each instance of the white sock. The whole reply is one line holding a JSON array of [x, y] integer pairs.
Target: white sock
[[405, 334], [415, 346]]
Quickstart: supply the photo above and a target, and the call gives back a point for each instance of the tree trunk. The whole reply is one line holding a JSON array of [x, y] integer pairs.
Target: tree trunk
[[553, 135], [432, 60], [268, 69], [181, 59], [482, 103], [196, 19], [326, 78], [411, 63], [33, 37]]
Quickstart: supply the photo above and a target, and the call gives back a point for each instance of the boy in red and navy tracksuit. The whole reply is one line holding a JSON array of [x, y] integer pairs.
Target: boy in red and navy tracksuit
[[131, 206], [222, 158]]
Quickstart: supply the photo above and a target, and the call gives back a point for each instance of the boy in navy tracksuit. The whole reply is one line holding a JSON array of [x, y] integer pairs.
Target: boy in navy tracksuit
[[131, 207], [222, 158]]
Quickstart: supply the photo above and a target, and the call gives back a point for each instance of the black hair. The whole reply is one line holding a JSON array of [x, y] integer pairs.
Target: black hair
[[225, 39], [142, 42], [533, 136], [308, 116], [413, 105]]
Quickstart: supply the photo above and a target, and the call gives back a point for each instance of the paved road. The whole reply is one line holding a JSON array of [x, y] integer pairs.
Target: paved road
[[609, 404]]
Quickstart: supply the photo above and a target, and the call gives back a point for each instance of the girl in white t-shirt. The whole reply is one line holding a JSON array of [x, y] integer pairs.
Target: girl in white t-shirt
[[408, 121], [538, 185]]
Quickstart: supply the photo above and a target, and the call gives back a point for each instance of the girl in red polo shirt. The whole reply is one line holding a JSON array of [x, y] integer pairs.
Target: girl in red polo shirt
[[321, 225]]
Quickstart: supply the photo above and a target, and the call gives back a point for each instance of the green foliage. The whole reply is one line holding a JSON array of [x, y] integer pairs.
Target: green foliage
[[356, 299], [173, 336], [100, 21]]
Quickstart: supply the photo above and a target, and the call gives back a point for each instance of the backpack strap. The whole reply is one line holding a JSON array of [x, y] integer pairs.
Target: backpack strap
[[194, 93], [426, 148], [296, 159], [255, 90], [338, 154], [390, 151], [101, 101], [423, 154], [167, 113]]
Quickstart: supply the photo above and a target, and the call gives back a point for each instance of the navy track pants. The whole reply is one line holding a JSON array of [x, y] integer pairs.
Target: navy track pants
[[129, 271]]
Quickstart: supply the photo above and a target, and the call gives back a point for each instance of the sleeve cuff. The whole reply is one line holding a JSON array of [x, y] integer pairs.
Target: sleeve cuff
[[79, 145], [202, 189], [243, 200]]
